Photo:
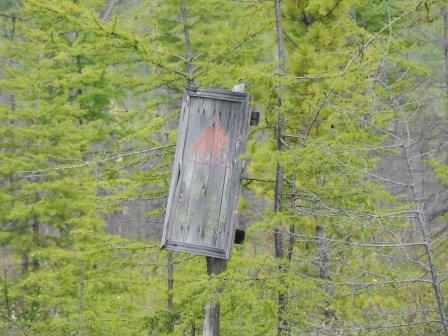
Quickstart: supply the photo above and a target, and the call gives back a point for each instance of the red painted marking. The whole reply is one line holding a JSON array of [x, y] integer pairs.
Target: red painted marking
[[211, 146]]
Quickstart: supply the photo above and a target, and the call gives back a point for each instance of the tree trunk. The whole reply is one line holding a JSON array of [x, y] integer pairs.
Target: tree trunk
[[106, 13], [324, 267], [81, 302], [324, 273], [188, 50], [11, 96], [25, 264], [35, 233], [278, 236], [170, 285], [420, 218], [292, 227], [292, 232], [445, 43], [190, 79]]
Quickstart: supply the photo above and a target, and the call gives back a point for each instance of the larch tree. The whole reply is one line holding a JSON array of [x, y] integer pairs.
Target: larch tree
[[340, 241]]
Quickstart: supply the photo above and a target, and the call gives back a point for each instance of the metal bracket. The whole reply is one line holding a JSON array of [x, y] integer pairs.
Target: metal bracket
[[239, 236], [254, 118]]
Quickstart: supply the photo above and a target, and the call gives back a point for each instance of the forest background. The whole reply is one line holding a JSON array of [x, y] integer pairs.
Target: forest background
[[344, 195]]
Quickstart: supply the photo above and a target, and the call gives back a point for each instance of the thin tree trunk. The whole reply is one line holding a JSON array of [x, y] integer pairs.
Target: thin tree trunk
[[81, 302], [280, 47], [12, 106], [35, 233], [12, 97], [25, 264], [278, 236], [106, 13], [324, 273], [292, 227], [445, 43], [188, 49], [34, 228], [190, 81], [170, 285], [8, 311], [292, 232], [324, 266], [420, 218]]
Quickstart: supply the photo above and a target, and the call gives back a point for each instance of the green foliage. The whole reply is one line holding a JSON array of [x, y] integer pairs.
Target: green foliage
[[88, 117]]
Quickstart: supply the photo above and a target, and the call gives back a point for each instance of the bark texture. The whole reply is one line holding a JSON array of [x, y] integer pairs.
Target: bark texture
[[278, 236]]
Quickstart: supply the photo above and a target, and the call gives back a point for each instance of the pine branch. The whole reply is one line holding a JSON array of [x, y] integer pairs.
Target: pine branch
[[90, 163]]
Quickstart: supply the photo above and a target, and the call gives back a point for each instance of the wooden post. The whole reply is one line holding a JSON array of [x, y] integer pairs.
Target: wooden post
[[212, 310], [215, 266]]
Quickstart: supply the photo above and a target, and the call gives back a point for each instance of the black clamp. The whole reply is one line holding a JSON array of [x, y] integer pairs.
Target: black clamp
[[254, 118], [239, 236]]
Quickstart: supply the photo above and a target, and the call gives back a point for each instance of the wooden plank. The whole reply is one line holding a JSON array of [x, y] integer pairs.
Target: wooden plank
[[179, 173], [224, 219], [215, 188], [186, 181], [202, 157], [183, 121], [242, 135], [217, 94]]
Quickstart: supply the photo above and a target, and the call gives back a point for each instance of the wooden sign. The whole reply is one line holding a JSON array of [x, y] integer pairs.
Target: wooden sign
[[205, 185]]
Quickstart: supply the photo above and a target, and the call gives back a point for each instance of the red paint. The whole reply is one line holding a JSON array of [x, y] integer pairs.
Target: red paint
[[211, 146]]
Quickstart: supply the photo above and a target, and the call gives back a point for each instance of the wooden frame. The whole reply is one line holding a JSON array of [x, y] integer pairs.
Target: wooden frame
[[205, 184]]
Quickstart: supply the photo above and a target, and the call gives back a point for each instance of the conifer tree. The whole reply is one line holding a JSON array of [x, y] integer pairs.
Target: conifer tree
[[90, 94]]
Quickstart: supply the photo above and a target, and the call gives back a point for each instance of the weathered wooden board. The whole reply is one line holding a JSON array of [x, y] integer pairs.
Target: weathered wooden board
[[205, 184]]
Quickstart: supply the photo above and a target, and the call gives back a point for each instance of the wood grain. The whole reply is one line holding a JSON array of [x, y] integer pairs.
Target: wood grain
[[205, 183]]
